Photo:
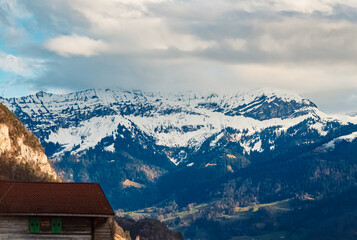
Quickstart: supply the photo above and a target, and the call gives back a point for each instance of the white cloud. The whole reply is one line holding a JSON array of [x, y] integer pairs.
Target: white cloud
[[129, 26], [153, 34], [302, 6], [236, 43], [26, 67], [75, 45]]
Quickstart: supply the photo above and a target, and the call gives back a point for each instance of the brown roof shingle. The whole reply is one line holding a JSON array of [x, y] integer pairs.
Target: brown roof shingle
[[24, 198]]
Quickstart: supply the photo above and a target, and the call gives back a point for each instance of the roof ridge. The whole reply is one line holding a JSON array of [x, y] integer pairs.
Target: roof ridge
[[23, 182]]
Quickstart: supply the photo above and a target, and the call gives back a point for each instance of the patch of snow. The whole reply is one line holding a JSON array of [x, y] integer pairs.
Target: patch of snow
[[110, 148], [257, 146], [348, 138], [175, 161], [319, 126], [217, 138]]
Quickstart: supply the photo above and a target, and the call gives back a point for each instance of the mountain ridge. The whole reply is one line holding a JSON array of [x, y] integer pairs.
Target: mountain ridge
[[197, 115]]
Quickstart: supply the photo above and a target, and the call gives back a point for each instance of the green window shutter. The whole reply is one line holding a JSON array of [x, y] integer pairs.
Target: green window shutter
[[34, 225], [56, 225]]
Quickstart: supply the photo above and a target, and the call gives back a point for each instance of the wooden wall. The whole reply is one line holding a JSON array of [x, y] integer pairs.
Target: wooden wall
[[73, 228], [102, 229]]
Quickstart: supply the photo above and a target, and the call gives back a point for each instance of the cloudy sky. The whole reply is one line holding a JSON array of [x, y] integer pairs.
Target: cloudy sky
[[306, 46]]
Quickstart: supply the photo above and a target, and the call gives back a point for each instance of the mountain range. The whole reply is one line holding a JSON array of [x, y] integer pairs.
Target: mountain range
[[79, 121], [175, 151]]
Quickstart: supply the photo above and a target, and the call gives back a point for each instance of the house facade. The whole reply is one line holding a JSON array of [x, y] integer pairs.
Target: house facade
[[72, 211]]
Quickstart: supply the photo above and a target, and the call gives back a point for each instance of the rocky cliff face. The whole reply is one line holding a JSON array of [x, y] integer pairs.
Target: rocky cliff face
[[21, 155]]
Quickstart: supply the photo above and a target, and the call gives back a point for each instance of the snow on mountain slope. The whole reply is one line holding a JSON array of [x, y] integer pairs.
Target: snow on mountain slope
[[347, 138], [80, 120], [87, 134], [204, 126]]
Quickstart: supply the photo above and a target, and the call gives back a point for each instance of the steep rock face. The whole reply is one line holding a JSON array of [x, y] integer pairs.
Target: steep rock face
[[5, 141], [265, 107], [19, 147]]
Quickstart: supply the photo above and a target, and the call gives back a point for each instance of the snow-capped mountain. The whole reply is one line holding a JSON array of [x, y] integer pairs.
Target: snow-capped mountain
[[156, 140], [80, 120], [212, 153]]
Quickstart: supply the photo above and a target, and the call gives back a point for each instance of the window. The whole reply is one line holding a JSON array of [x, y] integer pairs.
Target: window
[[56, 225], [45, 225], [34, 224]]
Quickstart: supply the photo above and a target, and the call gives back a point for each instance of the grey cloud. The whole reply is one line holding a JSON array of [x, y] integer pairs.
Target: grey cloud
[[5, 14], [3, 17], [342, 12], [310, 38], [56, 17], [79, 73], [336, 101]]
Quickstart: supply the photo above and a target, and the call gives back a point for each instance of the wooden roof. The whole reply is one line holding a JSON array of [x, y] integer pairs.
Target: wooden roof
[[61, 199]]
